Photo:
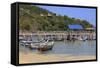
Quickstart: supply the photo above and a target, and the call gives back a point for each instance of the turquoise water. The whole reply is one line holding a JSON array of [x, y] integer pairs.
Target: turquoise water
[[68, 47]]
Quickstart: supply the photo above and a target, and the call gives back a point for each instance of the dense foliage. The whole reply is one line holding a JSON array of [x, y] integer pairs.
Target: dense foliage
[[33, 18]]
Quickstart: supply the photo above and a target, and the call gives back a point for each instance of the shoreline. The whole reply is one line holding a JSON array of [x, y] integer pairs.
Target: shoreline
[[40, 58]]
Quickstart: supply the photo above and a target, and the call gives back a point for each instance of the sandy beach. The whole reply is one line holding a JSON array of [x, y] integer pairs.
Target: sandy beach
[[38, 58]]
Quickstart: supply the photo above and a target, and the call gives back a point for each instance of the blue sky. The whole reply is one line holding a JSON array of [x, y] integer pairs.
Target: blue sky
[[88, 14]]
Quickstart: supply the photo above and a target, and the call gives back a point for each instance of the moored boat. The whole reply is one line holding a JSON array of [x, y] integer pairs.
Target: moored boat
[[46, 46]]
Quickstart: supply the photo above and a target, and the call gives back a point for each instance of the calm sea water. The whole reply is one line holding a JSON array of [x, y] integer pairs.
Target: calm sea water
[[68, 47]]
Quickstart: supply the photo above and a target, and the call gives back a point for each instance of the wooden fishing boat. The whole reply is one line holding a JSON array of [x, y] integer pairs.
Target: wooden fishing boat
[[46, 46]]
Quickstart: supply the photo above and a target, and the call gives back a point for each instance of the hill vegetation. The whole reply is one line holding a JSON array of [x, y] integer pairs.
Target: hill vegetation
[[33, 18]]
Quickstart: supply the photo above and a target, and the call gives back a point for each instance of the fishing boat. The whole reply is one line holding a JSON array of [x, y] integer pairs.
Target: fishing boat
[[48, 45], [41, 46]]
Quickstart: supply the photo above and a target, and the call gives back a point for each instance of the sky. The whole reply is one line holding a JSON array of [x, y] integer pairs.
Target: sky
[[88, 14]]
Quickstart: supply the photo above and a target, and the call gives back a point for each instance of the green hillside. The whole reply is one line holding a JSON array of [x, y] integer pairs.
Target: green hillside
[[33, 18]]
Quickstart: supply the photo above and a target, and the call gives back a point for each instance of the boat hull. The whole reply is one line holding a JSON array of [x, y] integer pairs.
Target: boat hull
[[45, 48]]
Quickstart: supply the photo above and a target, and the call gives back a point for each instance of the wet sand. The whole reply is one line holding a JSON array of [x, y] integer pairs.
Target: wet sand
[[38, 58]]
